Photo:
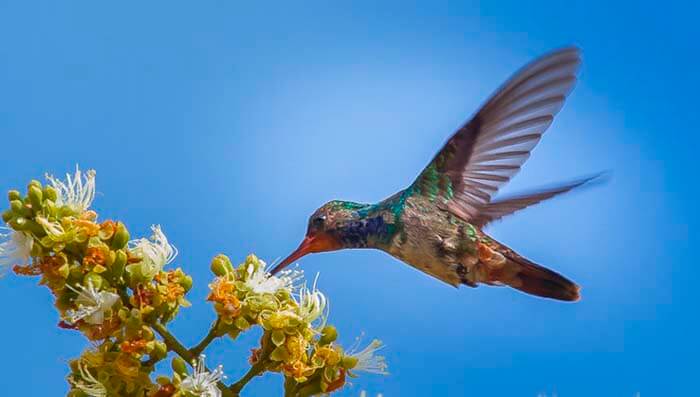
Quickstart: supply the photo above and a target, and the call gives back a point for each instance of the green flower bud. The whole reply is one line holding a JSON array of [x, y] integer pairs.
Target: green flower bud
[[147, 333], [278, 337], [7, 215], [186, 282], [328, 334], [50, 193], [35, 197], [279, 354], [162, 380], [14, 195], [75, 271], [221, 265], [223, 327], [123, 314], [252, 260], [241, 323], [349, 362], [134, 273], [119, 263], [64, 270], [133, 324], [179, 366], [19, 223], [95, 279], [233, 334], [16, 206], [121, 237], [34, 183]]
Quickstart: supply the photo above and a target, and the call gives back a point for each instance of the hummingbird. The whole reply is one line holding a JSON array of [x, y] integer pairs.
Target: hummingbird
[[436, 225]]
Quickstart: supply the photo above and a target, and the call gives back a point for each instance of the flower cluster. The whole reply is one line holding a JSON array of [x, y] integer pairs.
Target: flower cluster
[[108, 288], [120, 294], [246, 295], [109, 371], [296, 340]]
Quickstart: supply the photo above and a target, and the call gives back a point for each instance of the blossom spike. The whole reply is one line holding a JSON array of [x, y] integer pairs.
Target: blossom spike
[[77, 192]]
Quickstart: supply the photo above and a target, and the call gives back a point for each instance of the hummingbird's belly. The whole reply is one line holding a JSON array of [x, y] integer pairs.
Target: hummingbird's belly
[[420, 257], [435, 242]]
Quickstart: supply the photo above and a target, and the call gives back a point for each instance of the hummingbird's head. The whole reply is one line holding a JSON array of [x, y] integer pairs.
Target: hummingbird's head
[[326, 230]]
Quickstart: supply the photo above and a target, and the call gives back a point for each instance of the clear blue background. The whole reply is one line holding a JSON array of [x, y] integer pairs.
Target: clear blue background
[[229, 124]]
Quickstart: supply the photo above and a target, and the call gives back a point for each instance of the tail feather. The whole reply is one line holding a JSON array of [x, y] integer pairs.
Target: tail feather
[[534, 279]]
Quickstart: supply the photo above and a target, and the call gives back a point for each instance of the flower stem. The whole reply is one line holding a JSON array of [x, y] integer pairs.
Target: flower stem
[[174, 345], [213, 334]]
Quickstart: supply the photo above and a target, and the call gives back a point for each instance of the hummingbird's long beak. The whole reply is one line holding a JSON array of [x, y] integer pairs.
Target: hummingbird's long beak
[[314, 243]]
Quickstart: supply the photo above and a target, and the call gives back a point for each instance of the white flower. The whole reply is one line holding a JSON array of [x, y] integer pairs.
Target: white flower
[[88, 385], [367, 360], [53, 229], [203, 383], [156, 252], [92, 304], [15, 250], [260, 281], [312, 305], [77, 192]]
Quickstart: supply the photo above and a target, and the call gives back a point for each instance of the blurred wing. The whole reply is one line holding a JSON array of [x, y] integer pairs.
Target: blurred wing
[[499, 208], [490, 148]]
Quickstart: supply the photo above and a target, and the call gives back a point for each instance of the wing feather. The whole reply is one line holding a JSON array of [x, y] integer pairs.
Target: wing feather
[[499, 208], [487, 151]]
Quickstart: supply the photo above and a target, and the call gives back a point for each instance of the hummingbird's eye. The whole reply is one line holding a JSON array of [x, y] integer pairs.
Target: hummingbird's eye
[[318, 221]]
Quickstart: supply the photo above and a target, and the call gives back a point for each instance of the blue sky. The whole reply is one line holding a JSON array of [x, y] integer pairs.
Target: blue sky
[[229, 124]]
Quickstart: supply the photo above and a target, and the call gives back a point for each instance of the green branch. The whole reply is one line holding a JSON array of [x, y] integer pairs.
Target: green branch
[[174, 345]]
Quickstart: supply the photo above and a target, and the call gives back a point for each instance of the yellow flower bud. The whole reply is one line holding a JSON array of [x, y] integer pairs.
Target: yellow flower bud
[[328, 334]]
